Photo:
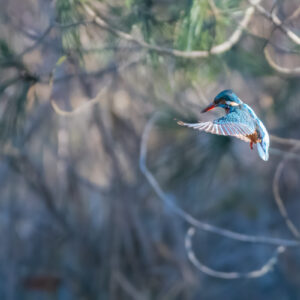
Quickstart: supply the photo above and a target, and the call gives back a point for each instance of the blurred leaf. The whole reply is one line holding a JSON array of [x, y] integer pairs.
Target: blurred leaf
[[129, 3], [61, 60], [192, 31], [247, 62], [5, 50], [229, 4], [67, 14], [12, 120]]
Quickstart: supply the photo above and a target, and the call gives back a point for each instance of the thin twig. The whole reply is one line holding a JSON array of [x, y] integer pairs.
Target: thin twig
[[74, 24], [214, 8], [21, 163], [267, 267], [294, 15], [80, 108], [291, 226], [284, 141], [280, 69], [283, 153], [98, 97], [38, 41], [128, 287]]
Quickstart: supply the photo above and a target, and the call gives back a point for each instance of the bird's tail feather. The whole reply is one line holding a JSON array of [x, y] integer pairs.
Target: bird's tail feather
[[263, 153]]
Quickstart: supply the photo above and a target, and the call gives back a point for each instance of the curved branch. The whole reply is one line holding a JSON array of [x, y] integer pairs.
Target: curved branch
[[93, 101], [219, 49], [80, 108], [267, 267], [290, 34], [293, 229], [279, 69], [187, 217]]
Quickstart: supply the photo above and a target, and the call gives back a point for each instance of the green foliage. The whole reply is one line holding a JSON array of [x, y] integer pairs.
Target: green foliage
[[13, 119], [13, 103], [5, 50], [200, 28], [247, 62], [129, 3], [228, 4], [190, 25], [195, 30], [142, 12], [61, 60], [7, 56], [68, 16]]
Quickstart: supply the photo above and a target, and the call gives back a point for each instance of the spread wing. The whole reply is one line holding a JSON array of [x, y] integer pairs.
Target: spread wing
[[230, 125]]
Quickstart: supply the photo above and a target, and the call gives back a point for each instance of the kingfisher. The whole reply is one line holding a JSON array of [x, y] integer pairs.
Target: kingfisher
[[240, 121]]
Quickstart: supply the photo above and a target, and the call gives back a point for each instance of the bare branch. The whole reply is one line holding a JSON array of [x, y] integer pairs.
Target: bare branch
[[284, 141], [98, 97], [282, 153], [187, 217], [279, 69], [21, 163], [290, 34], [273, 17], [214, 8], [219, 49], [294, 15], [128, 287], [38, 41], [79, 109], [278, 198], [267, 267]]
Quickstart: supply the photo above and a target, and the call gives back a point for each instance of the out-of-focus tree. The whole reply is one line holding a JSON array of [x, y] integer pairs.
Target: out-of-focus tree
[[97, 199]]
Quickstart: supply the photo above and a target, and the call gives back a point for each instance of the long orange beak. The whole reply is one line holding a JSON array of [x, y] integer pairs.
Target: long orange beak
[[209, 107]]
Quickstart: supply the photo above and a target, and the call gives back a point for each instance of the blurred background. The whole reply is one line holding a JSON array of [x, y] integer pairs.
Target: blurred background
[[79, 81]]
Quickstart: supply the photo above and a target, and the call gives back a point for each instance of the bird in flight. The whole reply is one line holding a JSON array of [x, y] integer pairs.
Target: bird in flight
[[240, 121]]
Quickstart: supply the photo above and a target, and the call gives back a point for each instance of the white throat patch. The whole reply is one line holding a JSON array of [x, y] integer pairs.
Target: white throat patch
[[231, 103]]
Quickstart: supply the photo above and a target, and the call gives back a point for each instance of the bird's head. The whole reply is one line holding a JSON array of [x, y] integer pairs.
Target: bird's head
[[226, 99]]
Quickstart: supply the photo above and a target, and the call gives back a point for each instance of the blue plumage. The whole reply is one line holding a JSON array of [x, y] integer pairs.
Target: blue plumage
[[240, 121]]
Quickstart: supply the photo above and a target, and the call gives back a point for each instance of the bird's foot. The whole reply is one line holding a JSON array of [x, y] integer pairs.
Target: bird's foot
[[251, 145]]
